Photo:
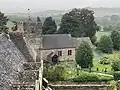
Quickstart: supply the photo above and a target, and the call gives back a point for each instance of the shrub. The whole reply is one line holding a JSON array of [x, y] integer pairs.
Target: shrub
[[104, 60], [117, 75], [104, 78], [87, 77], [84, 55], [105, 44], [93, 40], [116, 65], [55, 73]]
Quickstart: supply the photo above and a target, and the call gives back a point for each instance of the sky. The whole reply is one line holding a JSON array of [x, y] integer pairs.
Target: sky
[[11, 6]]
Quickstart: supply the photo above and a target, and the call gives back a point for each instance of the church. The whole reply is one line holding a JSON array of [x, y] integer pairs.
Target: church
[[51, 48], [23, 48]]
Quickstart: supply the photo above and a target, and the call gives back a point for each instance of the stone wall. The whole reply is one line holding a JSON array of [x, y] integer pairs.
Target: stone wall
[[64, 53], [81, 87]]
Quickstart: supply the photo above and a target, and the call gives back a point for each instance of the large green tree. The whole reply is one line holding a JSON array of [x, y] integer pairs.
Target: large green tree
[[78, 23], [115, 36], [105, 44], [49, 26], [84, 55], [3, 22]]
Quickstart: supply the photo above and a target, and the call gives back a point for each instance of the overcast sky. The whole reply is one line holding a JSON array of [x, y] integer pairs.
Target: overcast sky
[[38, 5]]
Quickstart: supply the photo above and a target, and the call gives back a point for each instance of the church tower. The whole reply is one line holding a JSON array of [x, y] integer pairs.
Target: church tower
[[33, 33], [39, 38]]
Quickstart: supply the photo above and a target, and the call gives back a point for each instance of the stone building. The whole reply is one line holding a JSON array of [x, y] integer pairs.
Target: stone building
[[53, 47], [24, 47]]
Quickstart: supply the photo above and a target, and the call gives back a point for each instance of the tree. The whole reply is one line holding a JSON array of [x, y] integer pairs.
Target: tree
[[93, 40], [116, 65], [108, 28], [105, 44], [3, 22], [115, 36], [84, 55], [78, 23], [39, 26], [49, 26]]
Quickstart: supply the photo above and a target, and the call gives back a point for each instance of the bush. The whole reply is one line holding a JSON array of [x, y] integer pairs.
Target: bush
[[93, 40], [55, 73], [84, 55], [116, 65], [117, 75], [87, 77], [104, 61], [105, 44], [104, 78]]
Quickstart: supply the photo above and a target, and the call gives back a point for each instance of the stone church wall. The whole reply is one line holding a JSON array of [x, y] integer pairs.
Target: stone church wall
[[64, 56]]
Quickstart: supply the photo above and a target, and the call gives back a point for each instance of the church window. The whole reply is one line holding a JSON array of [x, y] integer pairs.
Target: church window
[[69, 52], [59, 53]]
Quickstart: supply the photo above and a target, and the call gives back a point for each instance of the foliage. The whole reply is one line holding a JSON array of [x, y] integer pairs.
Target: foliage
[[39, 26], [104, 78], [84, 55], [114, 18], [105, 44], [97, 67], [78, 23], [116, 65], [84, 77], [115, 36], [117, 75], [49, 26], [113, 85], [55, 73], [93, 40], [104, 61], [3, 22], [89, 77], [108, 28]]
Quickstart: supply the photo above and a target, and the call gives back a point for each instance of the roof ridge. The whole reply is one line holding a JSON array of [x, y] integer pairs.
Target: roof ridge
[[56, 34]]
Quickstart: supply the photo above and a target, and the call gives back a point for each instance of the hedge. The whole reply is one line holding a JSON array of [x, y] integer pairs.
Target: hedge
[[117, 75], [92, 78]]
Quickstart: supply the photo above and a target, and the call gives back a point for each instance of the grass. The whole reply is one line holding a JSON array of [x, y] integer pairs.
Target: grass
[[100, 67]]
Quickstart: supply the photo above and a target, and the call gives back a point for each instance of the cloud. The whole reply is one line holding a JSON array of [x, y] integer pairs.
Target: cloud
[[22, 5]]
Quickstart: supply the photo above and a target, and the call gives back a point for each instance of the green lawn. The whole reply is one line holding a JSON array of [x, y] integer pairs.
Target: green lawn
[[100, 67]]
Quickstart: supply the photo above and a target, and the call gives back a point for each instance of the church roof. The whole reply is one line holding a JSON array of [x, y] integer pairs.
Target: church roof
[[57, 41], [11, 60], [78, 41]]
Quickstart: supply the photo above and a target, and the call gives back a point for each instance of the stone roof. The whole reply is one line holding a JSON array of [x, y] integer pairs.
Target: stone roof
[[57, 41], [24, 47], [11, 60], [78, 41]]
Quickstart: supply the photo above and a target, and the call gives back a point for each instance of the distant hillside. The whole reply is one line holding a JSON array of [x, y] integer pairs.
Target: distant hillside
[[57, 14], [99, 12]]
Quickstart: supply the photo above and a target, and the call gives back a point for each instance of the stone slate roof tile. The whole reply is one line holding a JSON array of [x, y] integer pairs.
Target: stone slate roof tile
[[11, 60], [57, 41]]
